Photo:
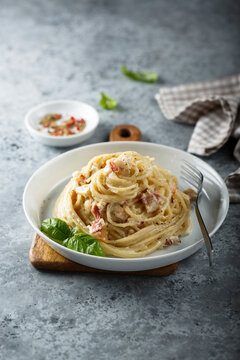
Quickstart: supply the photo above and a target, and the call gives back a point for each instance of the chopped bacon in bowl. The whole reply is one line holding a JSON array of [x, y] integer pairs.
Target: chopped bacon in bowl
[[61, 125]]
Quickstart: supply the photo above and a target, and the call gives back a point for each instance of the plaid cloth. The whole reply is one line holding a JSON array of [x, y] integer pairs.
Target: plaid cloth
[[212, 106]]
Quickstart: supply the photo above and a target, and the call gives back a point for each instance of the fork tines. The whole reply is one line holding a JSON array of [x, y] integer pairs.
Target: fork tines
[[191, 175], [194, 177]]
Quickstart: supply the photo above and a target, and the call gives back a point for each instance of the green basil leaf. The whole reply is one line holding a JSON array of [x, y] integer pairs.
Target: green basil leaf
[[74, 231], [145, 76], [60, 232], [75, 243], [56, 229], [84, 243], [106, 102], [94, 248]]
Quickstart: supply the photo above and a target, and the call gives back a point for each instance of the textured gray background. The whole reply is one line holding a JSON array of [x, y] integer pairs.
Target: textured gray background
[[74, 49]]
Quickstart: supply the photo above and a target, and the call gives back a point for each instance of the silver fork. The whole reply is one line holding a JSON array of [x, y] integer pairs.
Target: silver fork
[[194, 177]]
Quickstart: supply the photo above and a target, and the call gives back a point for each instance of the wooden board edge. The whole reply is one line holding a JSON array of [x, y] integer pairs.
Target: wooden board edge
[[67, 265]]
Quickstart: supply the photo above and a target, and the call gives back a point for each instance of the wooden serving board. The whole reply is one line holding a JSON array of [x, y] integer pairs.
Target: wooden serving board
[[42, 256]]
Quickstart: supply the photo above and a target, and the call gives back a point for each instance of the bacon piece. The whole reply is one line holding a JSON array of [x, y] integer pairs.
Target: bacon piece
[[118, 213], [96, 226], [96, 212], [74, 197], [114, 167], [139, 196], [174, 189], [148, 197], [168, 242], [125, 163], [172, 240], [80, 179], [152, 200]]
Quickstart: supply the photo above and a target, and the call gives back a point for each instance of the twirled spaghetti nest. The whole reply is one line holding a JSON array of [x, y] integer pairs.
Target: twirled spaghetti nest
[[131, 205]]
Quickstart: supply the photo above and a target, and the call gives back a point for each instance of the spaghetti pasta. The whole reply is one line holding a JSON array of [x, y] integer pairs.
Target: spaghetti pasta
[[131, 205]]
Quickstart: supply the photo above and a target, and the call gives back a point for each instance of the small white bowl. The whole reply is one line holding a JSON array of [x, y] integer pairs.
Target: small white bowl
[[73, 108]]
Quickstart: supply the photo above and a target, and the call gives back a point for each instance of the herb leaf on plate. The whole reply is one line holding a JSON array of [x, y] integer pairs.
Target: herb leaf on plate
[[107, 102], [84, 243], [56, 229], [74, 231], [145, 76], [75, 243]]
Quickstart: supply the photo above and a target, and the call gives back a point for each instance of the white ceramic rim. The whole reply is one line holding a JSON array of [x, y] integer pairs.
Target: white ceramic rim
[[32, 130], [171, 256]]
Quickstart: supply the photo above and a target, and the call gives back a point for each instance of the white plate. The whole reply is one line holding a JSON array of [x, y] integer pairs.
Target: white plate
[[47, 182], [72, 108]]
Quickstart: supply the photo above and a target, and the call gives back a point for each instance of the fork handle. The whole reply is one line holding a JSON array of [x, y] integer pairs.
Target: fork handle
[[206, 236]]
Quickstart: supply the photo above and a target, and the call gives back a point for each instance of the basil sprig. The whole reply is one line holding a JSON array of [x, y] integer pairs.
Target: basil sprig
[[56, 229], [145, 76], [60, 232], [107, 102], [84, 243]]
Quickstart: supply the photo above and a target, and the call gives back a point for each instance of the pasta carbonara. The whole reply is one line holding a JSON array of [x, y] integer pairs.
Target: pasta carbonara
[[131, 205]]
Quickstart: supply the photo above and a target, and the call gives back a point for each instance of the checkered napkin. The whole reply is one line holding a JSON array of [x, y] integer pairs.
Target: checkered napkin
[[212, 106]]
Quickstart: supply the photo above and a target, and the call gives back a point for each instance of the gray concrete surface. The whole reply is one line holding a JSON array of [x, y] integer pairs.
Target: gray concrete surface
[[74, 49]]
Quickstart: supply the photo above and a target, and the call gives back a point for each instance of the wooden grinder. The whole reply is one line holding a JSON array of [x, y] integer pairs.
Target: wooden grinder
[[125, 133]]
